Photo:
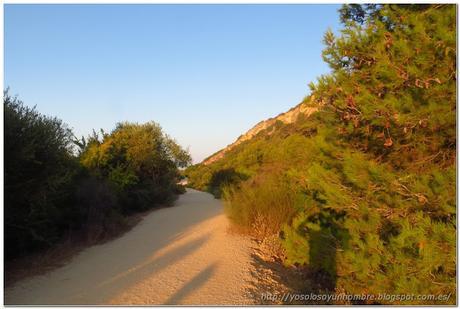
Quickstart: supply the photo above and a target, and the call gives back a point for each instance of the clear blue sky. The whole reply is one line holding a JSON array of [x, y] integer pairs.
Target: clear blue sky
[[206, 73]]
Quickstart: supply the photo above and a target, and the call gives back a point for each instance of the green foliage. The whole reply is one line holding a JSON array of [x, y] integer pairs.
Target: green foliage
[[39, 172], [223, 178], [262, 204], [51, 192], [139, 161], [373, 171], [394, 100]]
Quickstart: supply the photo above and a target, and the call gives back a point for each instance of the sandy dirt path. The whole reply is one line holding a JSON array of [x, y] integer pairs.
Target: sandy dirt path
[[178, 255]]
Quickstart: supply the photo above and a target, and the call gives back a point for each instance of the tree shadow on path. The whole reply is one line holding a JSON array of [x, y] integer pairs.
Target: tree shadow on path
[[195, 283]]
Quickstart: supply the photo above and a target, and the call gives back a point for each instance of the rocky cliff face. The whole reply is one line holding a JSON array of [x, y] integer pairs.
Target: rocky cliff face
[[287, 117]]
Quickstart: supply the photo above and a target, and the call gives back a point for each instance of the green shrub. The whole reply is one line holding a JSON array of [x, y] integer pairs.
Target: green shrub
[[100, 208], [261, 206], [40, 171], [223, 178], [50, 192], [139, 161]]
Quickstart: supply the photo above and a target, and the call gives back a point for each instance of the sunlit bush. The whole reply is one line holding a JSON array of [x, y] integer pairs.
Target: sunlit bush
[[261, 206], [139, 161]]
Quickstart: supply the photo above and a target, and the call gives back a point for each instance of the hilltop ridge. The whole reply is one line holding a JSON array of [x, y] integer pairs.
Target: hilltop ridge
[[287, 117]]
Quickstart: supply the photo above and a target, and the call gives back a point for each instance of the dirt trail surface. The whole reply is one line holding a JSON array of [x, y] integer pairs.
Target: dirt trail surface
[[178, 255]]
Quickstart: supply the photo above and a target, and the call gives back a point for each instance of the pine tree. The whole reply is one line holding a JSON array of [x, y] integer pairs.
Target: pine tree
[[389, 187]]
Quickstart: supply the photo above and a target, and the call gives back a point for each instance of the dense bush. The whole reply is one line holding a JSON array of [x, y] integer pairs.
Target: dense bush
[[223, 178], [52, 191], [100, 209], [262, 204], [139, 161], [39, 174], [375, 166]]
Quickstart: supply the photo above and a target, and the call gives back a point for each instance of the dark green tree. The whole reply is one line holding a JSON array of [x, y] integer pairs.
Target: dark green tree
[[39, 171]]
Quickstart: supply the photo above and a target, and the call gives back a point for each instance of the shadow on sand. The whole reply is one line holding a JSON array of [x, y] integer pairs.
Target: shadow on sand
[[195, 283]]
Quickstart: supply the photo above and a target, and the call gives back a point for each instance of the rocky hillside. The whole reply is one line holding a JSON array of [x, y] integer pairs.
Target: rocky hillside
[[288, 117]]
